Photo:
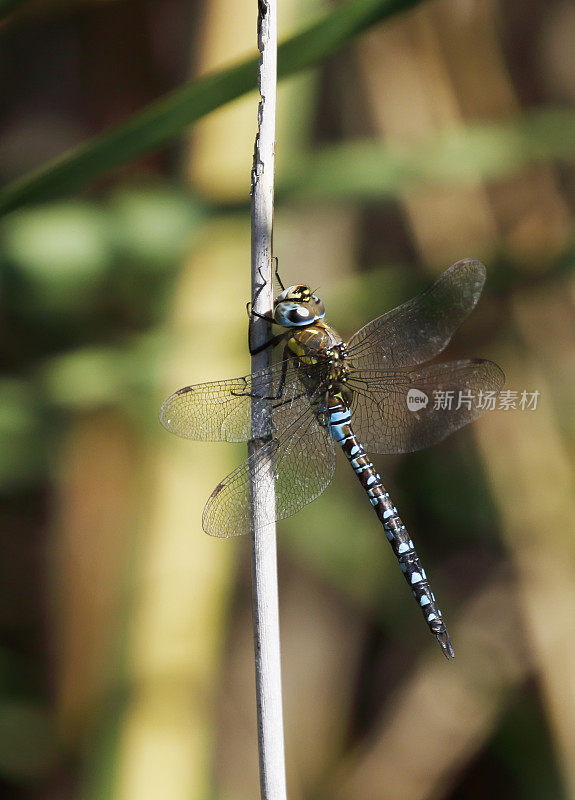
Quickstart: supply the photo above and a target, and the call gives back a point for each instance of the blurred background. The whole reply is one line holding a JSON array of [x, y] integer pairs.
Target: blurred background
[[126, 658]]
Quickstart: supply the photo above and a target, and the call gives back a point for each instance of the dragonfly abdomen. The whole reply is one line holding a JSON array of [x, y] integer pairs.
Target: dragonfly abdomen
[[339, 420]]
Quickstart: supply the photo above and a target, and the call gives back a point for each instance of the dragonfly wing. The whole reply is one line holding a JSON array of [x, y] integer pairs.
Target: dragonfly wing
[[221, 410], [457, 393], [418, 330], [297, 466]]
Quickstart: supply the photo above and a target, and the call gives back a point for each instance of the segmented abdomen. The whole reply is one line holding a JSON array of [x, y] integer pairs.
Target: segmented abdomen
[[339, 421]]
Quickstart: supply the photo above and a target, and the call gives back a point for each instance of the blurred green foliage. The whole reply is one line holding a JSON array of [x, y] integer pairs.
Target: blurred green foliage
[[368, 170], [90, 272]]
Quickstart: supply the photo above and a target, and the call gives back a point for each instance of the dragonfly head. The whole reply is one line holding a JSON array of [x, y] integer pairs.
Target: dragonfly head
[[297, 306]]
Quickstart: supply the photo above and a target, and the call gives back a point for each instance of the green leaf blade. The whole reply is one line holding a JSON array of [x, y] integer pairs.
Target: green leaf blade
[[168, 117]]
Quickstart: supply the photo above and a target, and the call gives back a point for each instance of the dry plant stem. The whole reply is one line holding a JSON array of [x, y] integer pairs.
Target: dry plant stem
[[264, 562]]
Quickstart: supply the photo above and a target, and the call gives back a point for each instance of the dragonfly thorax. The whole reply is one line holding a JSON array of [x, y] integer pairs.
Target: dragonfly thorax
[[338, 371], [297, 306]]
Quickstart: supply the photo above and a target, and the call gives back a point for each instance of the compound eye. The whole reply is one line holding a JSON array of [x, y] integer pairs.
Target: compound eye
[[298, 314]]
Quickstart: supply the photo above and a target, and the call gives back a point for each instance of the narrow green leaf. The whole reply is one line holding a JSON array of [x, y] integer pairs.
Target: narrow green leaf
[[168, 117]]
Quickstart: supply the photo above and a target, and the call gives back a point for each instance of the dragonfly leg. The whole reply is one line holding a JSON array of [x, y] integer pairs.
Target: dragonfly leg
[[268, 318], [262, 285], [273, 342], [282, 382], [251, 313], [260, 288], [281, 385], [277, 273], [279, 393], [277, 396]]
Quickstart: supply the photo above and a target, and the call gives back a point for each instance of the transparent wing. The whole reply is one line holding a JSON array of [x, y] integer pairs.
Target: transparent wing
[[221, 410], [303, 462], [418, 330], [457, 393]]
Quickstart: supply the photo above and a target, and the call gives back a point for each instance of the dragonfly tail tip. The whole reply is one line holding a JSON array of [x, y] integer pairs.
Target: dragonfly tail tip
[[445, 644]]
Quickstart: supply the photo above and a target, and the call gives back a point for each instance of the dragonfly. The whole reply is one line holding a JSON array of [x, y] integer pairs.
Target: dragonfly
[[374, 392]]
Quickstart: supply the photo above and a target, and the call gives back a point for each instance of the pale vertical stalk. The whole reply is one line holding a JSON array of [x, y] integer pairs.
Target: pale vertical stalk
[[264, 562]]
